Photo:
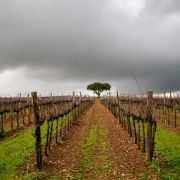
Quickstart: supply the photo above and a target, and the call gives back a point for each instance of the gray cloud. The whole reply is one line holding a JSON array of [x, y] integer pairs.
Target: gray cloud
[[162, 7], [83, 41]]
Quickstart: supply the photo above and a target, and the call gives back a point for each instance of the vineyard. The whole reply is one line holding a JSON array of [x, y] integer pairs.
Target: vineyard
[[17, 112], [146, 129], [134, 112]]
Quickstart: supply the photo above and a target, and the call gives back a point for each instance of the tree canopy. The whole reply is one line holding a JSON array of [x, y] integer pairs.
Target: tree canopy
[[98, 87]]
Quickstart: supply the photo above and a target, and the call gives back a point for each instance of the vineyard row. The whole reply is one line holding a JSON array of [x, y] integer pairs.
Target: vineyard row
[[139, 115]]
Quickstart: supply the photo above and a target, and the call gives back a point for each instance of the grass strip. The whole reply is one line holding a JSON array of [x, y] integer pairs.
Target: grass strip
[[14, 149], [86, 163], [168, 146]]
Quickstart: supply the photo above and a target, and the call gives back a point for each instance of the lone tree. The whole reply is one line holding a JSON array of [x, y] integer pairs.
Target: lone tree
[[98, 88]]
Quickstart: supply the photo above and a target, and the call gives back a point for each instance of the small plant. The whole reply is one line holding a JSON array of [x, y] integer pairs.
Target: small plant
[[106, 167], [35, 176], [144, 176], [163, 172]]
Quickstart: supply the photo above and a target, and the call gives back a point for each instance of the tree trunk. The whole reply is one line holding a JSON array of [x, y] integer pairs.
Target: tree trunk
[[98, 94]]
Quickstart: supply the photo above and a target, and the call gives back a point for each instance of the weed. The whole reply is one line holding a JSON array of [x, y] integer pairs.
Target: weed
[[35, 176], [144, 176], [106, 166], [165, 174]]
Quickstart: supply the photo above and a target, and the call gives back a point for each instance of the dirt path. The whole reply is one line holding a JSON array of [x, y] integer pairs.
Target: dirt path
[[97, 148]]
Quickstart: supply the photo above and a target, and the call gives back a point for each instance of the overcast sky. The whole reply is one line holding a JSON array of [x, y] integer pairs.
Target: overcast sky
[[62, 45]]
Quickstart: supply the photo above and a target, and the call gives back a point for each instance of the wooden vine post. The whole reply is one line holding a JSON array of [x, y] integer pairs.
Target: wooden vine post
[[11, 116], [118, 108], [149, 126], [28, 110], [37, 130], [80, 100], [164, 109], [1, 117], [74, 108], [175, 115]]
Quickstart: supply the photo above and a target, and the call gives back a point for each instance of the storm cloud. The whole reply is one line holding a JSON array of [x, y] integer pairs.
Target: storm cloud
[[65, 44]]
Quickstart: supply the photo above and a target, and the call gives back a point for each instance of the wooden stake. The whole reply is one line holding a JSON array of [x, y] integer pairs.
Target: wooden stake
[[118, 110], [149, 126], [37, 129], [164, 109]]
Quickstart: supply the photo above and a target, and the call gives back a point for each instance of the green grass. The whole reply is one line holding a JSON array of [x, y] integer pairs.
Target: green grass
[[35, 176], [14, 149], [163, 171], [106, 166], [12, 152], [86, 163], [106, 161], [144, 176], [168, 146]]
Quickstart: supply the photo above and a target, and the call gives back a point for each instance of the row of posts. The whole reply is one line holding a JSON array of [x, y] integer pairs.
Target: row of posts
[[38, 128], [149, 125]]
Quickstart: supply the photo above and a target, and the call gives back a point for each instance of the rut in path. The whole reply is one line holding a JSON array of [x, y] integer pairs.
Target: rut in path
[[97, 148]]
